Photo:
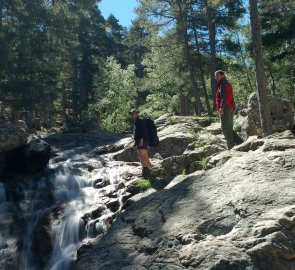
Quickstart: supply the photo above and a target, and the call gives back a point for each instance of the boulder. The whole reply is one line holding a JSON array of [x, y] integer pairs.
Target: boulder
[[106, 149], [281, 110], [239, 215], [11, 137], [31, 158], [22, 124], [175, 134]]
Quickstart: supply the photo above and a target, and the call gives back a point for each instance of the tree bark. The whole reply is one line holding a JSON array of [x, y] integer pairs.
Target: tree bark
[[75, 94], [260, 71], [63, 102], [1, 15], [184, 104], [200, 65], [182, 31], [212, 41]]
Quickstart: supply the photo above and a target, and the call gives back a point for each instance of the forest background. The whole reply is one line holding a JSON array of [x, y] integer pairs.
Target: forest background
[[61, 61]]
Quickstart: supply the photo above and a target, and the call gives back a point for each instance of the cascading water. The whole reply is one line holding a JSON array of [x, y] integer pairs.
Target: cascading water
[[74, 200]]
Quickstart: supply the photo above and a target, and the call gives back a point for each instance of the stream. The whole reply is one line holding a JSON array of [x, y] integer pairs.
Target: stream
[[75, 200]]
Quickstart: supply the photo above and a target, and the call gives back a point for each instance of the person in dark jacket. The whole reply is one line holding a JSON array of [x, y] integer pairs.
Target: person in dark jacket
[[141, 138], [226, 107]]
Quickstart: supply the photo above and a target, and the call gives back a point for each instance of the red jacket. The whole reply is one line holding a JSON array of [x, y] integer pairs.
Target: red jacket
[[224, 95]]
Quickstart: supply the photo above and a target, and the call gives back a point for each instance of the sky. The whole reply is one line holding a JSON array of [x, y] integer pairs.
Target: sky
[[121, 9]]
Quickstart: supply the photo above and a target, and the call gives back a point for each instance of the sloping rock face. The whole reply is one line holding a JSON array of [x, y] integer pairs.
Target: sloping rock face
[[281, 110], [240, 214]]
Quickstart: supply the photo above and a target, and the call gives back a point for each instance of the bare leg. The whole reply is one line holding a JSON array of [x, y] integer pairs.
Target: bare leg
[[144, 158]]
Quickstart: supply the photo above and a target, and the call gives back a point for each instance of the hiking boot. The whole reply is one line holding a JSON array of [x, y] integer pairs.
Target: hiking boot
[[146, 173]]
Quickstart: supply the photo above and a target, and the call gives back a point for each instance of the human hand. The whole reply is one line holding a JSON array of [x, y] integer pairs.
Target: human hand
[[141, 142], [221, 112]]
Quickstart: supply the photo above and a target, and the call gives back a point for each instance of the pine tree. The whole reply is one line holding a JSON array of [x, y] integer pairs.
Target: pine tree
[[260, 73]]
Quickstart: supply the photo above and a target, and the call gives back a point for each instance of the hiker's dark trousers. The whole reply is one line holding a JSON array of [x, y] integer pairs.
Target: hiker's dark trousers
[[227, 125]]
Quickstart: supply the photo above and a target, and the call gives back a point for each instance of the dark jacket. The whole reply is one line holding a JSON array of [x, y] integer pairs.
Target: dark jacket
[[224, 95], [140, 130]]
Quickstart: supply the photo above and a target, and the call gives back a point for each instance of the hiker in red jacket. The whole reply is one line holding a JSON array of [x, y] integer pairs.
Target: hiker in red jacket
[[141, 138], [226, 107]]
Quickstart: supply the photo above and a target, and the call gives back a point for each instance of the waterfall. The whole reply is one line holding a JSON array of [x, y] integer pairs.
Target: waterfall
[[72, 206], [67, 241]]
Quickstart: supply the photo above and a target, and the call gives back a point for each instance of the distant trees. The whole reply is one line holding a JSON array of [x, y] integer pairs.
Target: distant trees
[[61, 60]]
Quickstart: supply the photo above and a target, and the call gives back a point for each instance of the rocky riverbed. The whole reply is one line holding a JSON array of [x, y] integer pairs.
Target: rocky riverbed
[[207, 208], [239, 214]]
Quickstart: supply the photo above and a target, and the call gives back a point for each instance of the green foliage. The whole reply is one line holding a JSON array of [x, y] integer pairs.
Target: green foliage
[[144, 184], [203, 139], [238, 127], [206, 121], [57, 61], [184, 172], [203, 161], [116, 88]]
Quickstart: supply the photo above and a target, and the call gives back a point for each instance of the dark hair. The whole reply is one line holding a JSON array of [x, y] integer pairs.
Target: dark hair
[[133, 111], [220, 72]]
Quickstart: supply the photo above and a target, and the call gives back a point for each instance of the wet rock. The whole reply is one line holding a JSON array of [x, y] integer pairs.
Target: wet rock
[[113, 205], [112, 148], [120, 186], [101, 183], [94, 214], [133, 189], [43, 234]]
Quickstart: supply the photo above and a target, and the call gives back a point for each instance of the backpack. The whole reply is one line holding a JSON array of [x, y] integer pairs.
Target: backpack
[[153, 133]]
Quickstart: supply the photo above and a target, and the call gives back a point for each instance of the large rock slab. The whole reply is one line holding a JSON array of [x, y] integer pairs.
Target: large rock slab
[[239, 215], [175, 134]]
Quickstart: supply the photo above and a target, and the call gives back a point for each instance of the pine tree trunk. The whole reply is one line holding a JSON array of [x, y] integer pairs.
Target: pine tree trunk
[[200, 65], [182, 31], [260, 71], [63, 102], [184, 104], [212, 41], [14, 115], [1, 15], [75, 94], [187, 105]]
